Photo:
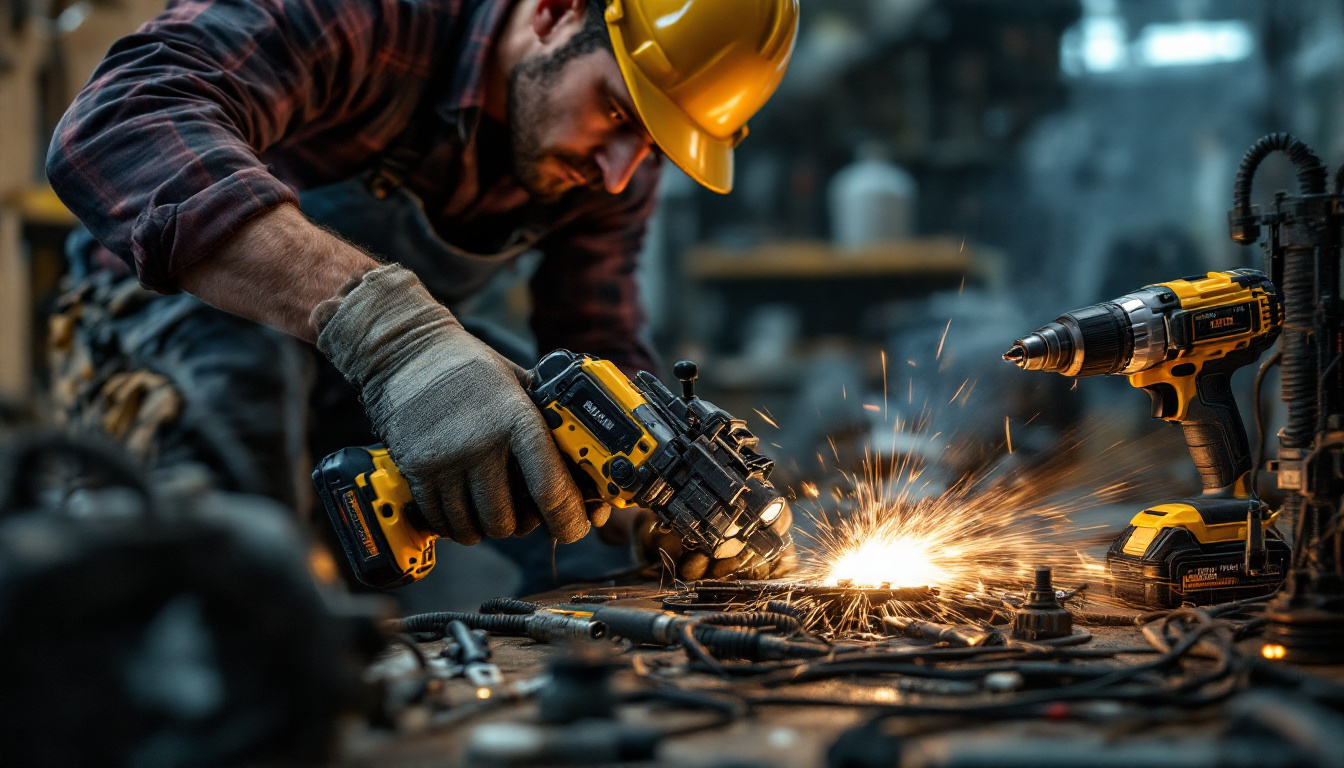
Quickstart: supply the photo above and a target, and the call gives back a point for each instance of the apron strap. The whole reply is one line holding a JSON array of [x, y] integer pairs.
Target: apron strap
[[403, 154]]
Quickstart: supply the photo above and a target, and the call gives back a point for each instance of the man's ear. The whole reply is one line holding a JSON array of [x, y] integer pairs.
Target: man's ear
[[554, 19]]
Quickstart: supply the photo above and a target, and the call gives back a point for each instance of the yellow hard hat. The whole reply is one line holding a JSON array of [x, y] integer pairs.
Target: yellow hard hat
[[699, 69]]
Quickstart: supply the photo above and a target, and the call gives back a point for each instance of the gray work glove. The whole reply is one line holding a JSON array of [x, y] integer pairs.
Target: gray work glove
[[452, 412], [659, 550]]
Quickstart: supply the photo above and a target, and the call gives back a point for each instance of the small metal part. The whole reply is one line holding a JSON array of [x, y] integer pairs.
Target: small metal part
[[962, 636], [1042, 617], [469, 650], [641, 626], [582, 599], [547, 626], [686, 602]]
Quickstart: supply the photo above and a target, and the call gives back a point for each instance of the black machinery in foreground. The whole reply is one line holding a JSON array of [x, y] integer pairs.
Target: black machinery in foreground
[[1302, 257]]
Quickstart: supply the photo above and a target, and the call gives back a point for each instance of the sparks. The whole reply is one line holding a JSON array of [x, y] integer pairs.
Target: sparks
[[957, 394], [893, 561], [768, 420], [988, 528], [884, 385], [943, 339]]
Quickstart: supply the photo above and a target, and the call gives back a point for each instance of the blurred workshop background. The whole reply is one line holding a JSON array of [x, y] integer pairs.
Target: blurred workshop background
[[933, 178]]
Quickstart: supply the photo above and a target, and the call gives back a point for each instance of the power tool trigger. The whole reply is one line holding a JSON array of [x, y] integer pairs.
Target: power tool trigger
[[1163, 397]]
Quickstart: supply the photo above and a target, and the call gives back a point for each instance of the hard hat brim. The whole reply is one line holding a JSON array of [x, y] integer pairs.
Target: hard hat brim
[[704, 157]]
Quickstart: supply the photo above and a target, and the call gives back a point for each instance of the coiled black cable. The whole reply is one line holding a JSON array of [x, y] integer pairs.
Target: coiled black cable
[[1298, 377], [437, 623], [1299, 359], [755, 620], [509, 605], [779, 606], [729, 642], [1311, 176], [745, 643]]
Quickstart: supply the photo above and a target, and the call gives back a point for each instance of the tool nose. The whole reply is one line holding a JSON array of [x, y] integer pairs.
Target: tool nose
[[1046, 349]]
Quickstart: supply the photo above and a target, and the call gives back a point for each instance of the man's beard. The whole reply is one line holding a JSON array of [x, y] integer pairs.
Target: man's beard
[[530, 111]]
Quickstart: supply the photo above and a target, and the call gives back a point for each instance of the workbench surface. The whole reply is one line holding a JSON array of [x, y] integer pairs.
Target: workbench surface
[[783, 736]]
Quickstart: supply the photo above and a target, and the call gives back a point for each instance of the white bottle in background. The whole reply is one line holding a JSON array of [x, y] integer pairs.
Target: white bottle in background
[[872, 200]]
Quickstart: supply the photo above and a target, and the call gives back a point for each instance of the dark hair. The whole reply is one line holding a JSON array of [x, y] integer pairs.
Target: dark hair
[[592, 37]]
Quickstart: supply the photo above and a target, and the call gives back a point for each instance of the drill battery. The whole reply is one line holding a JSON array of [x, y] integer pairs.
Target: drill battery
[[1193, 551], [384, 538]]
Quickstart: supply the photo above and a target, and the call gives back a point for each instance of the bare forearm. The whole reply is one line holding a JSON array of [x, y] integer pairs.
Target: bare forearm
[[276, 270]]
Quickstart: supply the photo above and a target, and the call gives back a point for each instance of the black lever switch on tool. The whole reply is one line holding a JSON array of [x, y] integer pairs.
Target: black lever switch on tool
[[687, 371]]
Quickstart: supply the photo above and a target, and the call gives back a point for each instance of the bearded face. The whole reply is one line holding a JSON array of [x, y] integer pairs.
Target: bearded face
[[572, 124], [545, 167]]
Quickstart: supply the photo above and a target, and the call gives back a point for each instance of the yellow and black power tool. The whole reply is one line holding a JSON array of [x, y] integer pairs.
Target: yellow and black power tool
[[690, 462], [1181, 342]]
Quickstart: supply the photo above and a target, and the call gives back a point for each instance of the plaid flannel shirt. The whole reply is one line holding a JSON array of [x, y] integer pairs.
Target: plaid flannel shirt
[[219, 110]]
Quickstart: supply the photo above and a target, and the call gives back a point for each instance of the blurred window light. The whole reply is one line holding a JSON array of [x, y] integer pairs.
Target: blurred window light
[[1100, 44], [1104, 45], [1194, 42], [1097, 44]]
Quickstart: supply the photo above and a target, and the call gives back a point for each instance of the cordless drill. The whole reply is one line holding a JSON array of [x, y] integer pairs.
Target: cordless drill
[[1180, 342], [690, 462]]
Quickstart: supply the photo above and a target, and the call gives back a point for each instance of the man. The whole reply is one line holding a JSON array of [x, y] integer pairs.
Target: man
[[449, 136]]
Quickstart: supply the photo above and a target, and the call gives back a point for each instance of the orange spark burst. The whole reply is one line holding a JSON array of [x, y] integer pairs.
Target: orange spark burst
[[991, 527]]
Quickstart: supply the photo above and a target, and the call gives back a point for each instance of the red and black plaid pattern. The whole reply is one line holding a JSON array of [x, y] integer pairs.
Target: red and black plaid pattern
[[219, 110]]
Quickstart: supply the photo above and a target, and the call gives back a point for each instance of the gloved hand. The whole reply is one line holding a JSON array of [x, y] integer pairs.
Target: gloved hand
[[452, 412], [658, 549]]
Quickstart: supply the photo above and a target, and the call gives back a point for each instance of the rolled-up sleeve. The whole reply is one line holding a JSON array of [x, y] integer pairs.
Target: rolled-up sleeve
[[159, 154], [585, 296]]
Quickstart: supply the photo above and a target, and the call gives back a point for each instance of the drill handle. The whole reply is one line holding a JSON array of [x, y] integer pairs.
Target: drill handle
[[1216, 436]]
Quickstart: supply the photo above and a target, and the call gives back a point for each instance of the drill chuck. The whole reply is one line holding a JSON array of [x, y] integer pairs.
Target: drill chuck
[[1048, 349], [1126, 335]]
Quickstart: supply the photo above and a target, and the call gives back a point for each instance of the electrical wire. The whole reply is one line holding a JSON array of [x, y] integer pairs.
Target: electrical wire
[[435, 624], [509, 605], [785, 623], [1258, 408], [1054, 678]]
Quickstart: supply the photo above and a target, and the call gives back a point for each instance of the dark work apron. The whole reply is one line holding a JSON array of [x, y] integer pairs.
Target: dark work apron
[[397, 229]]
